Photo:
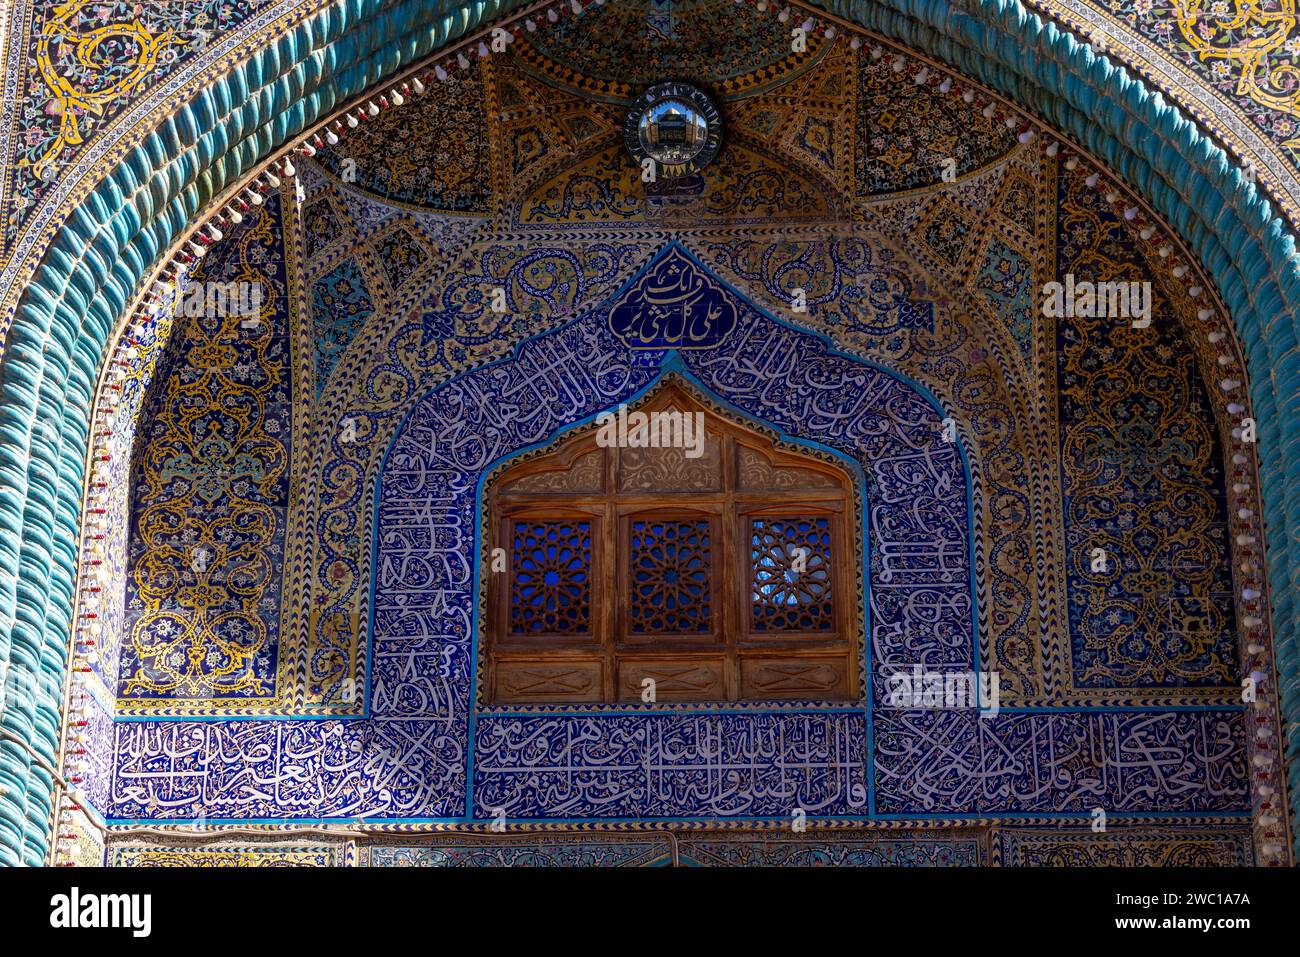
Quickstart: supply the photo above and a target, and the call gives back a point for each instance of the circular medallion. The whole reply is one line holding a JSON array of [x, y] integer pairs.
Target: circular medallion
[[676, 126]]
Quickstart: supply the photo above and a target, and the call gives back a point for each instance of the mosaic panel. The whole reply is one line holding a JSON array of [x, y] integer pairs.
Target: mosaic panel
[[1122, 846], [1241, 51], [84, 839], [907, 138], [249, 855], [761, 765], [745, 184], [87, 62], [453, 328], [402, 256], [412, 755], [737, 765], [211, 488], [434, 157], [947, 232], [852, 849], [321, 225], [99, 757], [134, 47], [1171, 847], [114, 476], [561, 851], [856, 285], [695, 314], [731, 48], [423, 610], [1006, 279], [1142, 469], [340, 307], [948, 761]]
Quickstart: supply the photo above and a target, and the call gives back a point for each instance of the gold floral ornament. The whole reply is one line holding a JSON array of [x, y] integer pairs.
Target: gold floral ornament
[[1248, 36], [87, 69]]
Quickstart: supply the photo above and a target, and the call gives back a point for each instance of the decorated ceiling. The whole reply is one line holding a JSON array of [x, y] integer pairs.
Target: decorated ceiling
[[293, 526], [100, 69], [829, 132]]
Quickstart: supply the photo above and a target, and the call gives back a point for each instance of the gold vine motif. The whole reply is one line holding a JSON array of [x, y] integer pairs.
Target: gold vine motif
[[86, 78], [1275, 86], [206, 498]]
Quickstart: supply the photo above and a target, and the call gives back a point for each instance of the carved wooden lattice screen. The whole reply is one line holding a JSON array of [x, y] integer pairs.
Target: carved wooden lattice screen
[[727, 576]]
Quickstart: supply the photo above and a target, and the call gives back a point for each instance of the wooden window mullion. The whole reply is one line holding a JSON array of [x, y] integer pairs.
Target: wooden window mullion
[[731, 569], [610, 576]]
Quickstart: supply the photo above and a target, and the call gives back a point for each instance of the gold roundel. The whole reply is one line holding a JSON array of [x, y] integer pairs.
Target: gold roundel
[[676, 126]]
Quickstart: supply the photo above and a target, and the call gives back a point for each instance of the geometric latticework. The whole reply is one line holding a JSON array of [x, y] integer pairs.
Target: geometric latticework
[[670, 569], [551, 578], [791, 574]]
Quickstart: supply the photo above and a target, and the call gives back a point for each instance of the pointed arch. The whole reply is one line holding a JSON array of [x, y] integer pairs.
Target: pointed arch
[[92, 270]]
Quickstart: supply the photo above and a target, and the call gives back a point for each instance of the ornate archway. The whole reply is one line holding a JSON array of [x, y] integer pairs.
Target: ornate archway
[[88, 277]]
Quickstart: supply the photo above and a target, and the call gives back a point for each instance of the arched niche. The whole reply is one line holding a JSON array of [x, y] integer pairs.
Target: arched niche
[[78, 282]]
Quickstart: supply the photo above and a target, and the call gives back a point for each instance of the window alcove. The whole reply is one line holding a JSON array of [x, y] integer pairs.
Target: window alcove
[[722, 575]]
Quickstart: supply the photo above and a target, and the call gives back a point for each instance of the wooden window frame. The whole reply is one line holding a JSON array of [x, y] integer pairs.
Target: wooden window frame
[[730, 664]]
